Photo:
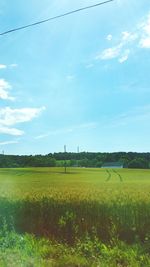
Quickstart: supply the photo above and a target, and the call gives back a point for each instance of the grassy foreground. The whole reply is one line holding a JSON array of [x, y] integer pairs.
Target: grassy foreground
[[26, 251], [93, 217]]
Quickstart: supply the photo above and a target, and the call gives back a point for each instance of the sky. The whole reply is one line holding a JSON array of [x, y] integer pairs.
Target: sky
[[82, 80]]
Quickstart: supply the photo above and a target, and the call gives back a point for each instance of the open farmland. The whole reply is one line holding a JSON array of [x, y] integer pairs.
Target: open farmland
[[105, 204], [77, 183]]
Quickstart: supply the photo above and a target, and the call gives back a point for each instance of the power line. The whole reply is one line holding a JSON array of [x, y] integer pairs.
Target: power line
[[56, 17]]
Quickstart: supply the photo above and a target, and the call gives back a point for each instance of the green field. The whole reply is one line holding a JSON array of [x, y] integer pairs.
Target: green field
[[84, 183], [90, 212]]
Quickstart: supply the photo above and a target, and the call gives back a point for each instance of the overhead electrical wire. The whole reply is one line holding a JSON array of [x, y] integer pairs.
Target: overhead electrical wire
[[53, 18]]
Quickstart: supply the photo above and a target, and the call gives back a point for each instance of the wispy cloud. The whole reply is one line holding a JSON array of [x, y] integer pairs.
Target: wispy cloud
[[110, 53], [89, 125], [124, 56], [14, 65], [129, 42], [10, 117], [10, 131], [55, 132], [89, 66], [2, 66], [136, 115], [67, 130], [134, 87], [8, 143], [120, 51], [4, 90]]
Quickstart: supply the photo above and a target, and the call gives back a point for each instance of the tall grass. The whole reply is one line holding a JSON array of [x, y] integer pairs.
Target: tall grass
[[126, 219]]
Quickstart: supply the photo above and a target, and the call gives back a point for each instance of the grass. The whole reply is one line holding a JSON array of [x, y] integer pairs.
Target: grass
[[27, 251], [93, 217]]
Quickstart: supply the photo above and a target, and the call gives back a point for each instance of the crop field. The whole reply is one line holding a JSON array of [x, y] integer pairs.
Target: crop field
[[106, 204], [77, 183], [86, 198]]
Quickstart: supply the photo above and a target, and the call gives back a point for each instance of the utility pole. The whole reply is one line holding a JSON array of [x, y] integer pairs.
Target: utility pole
[[65, 163]]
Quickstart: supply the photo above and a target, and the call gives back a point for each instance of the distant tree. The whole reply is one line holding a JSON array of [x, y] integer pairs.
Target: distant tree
[[99, 164], [84, 162], [83, 159], [139, 163]]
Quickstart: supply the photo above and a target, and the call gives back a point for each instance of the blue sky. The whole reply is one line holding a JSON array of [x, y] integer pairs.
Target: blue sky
[[82, 80]]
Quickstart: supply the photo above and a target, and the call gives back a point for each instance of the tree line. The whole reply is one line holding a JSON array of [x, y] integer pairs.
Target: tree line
[[83, 159]]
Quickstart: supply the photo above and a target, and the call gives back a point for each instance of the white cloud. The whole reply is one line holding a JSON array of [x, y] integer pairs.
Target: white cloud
[[145, 43], [125, 35], [128, 37], [2, 66], [119, 51], [145, 29], [129, 42], [123, 59], [4, 88], [10, 131], [124, 56], [145, 25], [10, 117], [8, 143], [109, 53], [109, 37]]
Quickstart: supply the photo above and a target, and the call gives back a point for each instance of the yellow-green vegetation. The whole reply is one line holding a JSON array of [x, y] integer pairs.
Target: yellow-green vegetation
[[99, 217]]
